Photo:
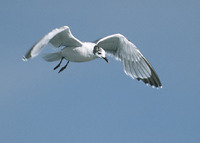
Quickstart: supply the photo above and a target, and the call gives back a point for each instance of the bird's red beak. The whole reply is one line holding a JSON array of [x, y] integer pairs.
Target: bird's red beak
[[106, 60]]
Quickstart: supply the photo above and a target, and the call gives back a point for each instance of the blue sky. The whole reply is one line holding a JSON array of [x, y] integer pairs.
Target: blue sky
[[95, 101]]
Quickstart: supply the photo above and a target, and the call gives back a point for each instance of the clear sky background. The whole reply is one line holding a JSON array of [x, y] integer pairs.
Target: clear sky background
[[96, 102]]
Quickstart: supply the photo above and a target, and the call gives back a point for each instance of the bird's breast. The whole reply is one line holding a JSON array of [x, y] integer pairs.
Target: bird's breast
[[77, 54]]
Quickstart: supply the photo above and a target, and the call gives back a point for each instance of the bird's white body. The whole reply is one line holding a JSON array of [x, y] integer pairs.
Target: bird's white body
[[116, 45], [83, 53]]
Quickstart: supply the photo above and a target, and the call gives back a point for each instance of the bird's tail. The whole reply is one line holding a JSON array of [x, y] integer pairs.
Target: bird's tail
[[52, 57]]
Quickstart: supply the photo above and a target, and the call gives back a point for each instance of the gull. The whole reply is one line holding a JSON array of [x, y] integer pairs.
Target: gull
[[73, 50]]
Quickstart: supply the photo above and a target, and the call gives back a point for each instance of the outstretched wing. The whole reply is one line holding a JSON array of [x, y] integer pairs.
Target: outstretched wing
[[58, 37], [134, 63]]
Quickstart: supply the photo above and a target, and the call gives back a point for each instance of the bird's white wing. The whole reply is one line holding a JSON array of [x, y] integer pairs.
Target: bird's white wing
[[134, 63], [58, 37]]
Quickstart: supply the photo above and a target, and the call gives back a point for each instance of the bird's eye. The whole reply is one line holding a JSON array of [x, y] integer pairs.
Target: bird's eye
[[99, 52]]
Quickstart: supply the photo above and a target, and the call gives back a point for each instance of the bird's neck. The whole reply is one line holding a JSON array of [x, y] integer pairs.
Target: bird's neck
[[89, 47]]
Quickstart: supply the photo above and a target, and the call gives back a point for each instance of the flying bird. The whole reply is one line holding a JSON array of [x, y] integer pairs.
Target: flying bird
[[73, 50]]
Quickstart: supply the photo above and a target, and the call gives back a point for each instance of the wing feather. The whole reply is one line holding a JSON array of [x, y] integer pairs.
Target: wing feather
[[134, 63], [58, 37]]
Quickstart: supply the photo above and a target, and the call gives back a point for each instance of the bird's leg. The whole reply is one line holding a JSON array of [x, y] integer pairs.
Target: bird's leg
[[59, 63], [64, 67]]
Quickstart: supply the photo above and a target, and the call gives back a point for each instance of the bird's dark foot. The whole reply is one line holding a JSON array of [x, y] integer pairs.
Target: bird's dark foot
[[63, 67], [56, 67], [58, 64]]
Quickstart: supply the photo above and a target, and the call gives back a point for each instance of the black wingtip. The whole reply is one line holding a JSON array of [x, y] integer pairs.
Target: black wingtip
[[24, 58], [153, 80]]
